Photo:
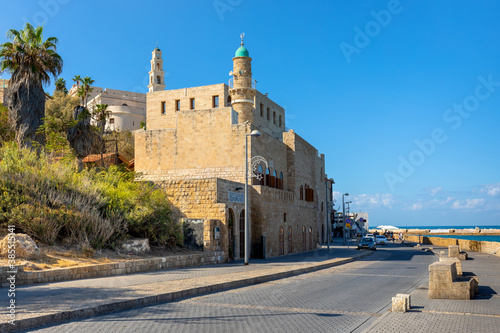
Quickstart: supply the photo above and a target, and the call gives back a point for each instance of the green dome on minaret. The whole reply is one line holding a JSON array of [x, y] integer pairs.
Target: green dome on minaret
[[242, 51]]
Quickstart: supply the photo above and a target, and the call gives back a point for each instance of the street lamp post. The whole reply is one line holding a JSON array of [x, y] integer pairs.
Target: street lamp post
[[343, 213], [328, 204], [247, 251], [348, 210]]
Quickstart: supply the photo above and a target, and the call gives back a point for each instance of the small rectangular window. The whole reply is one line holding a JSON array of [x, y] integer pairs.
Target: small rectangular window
[[191, 103], [280, 120], [261, 110], [177, 104], [163, 108], [215, 101], [268, 114], [111, 120], [274, 117]]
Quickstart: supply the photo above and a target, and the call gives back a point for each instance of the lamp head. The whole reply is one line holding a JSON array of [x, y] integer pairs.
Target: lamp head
[[255, 133]]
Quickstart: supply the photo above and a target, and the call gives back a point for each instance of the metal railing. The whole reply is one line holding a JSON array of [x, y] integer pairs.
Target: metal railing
[[231, 83]]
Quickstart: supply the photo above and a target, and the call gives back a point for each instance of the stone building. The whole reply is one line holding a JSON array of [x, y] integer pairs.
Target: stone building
[[127, 109], [194, 147]]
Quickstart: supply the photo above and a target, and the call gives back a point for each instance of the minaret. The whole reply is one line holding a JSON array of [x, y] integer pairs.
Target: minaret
[[156, 75], [242, 90]]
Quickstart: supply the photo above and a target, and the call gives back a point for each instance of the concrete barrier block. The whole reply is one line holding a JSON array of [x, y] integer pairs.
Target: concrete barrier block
[[453, 251], [408, 300], [399, 304], [457, 262]]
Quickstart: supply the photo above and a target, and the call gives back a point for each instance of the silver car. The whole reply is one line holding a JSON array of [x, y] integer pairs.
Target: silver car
[[381, 240]]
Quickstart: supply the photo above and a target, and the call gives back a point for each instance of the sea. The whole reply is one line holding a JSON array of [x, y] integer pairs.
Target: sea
[[446, 227], [486, 238]]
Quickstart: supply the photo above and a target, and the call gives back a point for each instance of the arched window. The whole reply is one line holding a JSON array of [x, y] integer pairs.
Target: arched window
[[304, 239], [158, 79], [242, 233], [158, 66], [260, 172], [282, 241], [301, 195], [280, 181], [290, 244], [124, 104], [274, 182], [228, 102], [258, 180], [268, 177]]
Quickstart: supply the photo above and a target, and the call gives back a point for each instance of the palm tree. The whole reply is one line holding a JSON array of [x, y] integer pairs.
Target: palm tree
[[77, 79], [31, 60], [61, 85], [87, 83], [100, 114]]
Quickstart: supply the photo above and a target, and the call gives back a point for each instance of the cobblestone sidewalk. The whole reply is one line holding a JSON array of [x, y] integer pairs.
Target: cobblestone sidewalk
[[51, 303], [481, 314]]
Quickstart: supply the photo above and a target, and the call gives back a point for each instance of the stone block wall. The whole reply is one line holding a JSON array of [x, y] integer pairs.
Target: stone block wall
[[202, 96], [261, 121], [273, 209], [203, 144], [102, 270], [465, 245], [208, 200]]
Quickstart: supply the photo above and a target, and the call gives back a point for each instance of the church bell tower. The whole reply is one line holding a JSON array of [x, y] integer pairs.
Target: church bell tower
[[242, 86], [156, 75]]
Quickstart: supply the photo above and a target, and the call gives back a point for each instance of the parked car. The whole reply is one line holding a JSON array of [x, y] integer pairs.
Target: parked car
[[367, 243], [381, 240]]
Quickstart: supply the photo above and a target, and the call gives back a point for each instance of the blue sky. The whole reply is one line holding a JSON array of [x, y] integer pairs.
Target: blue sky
[[403, 97]]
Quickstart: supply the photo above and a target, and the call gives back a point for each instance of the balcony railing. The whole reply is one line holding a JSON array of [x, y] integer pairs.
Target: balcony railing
[[254, 83]]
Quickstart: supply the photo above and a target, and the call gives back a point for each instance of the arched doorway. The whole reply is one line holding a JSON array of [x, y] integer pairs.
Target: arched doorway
[[290, 243], [282, 241], [230, 234], [242, 234]]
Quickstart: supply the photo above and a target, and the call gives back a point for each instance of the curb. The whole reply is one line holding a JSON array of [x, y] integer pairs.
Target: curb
[[71, 315]]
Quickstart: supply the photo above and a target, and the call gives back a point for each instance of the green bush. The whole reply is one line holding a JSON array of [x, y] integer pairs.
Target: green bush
[[51, 199]]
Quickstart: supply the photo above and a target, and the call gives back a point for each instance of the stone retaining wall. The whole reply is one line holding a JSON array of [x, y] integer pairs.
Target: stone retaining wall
[[102, 270], [465, 244]]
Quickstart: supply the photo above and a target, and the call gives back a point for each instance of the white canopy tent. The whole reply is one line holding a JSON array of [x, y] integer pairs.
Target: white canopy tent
[[387, 227]]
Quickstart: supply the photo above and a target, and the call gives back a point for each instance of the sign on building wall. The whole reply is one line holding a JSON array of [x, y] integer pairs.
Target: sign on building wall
[[236, 197]]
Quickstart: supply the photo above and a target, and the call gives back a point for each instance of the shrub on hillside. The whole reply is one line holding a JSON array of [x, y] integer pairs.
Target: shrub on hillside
[[52, 200]]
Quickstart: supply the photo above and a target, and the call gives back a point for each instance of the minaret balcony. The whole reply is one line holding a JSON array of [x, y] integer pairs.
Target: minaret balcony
[[238, 86]]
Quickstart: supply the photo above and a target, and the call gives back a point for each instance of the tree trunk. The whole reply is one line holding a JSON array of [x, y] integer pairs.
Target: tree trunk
[[26, 103]]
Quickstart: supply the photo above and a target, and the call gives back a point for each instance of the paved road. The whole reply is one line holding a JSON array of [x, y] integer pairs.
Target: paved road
[[345, 298]]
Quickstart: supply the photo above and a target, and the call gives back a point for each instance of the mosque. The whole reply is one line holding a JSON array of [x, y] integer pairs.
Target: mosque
[[195, 146]]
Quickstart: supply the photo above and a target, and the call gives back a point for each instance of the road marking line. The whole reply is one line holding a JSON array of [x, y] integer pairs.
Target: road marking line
[[286, 309], [404, 276], [461, 313]]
